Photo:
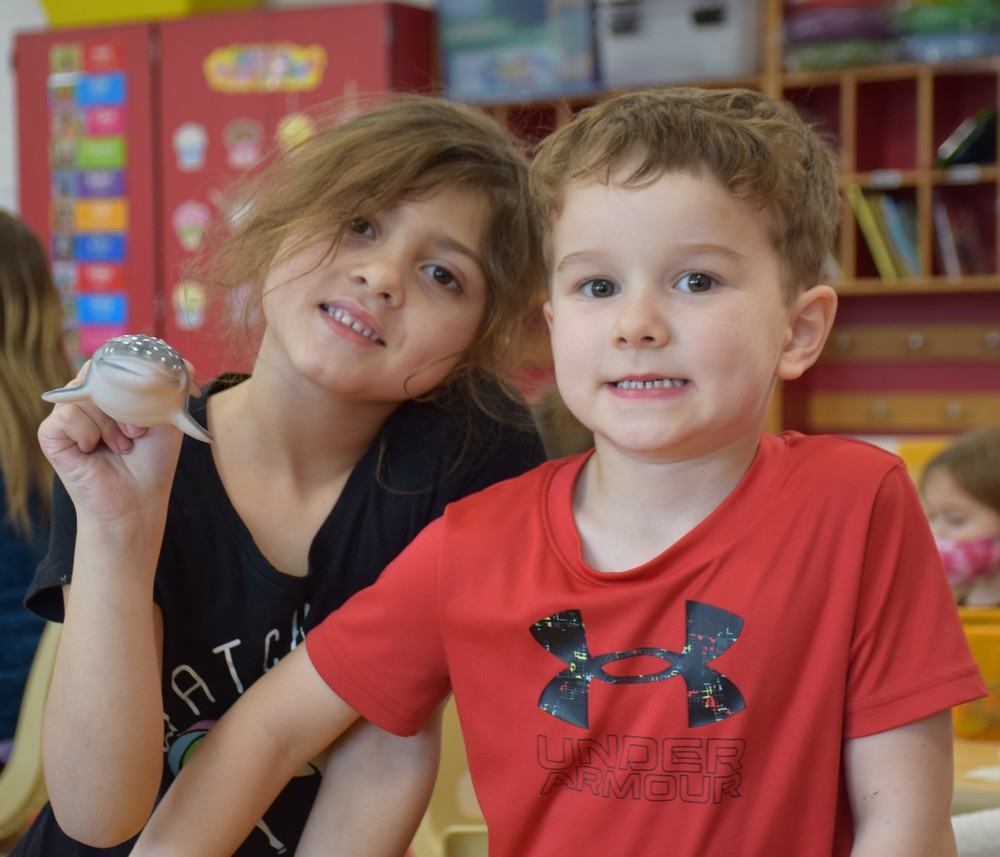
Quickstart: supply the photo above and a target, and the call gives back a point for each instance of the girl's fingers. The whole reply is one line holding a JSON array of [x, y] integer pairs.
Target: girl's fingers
[[131, 431], [84, 426], [193, 389], [67, 427], [113, 436]]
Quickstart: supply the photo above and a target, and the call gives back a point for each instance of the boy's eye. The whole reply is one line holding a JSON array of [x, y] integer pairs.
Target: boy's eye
[[696, 283], [360, 225], [442, 276], [599, 288]]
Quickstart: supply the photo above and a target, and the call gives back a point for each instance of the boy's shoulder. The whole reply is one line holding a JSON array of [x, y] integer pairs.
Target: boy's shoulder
[[834, 456], [836, 444]]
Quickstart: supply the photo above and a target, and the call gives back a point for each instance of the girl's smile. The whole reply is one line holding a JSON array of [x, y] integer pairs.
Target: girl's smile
[[352, 322]]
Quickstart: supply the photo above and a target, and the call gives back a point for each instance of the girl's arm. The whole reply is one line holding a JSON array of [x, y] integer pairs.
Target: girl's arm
[[900, 785], [103, 726], [376, 787], [286, 718]]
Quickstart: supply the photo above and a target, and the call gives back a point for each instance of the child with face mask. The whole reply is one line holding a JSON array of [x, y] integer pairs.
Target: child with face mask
[[961, 491]]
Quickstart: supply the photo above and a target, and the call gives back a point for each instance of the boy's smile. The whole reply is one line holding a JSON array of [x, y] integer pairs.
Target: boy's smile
[[669, 322]]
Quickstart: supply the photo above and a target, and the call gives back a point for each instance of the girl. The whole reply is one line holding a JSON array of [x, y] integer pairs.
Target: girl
[[390, 259], [32, 359], [961, 491]]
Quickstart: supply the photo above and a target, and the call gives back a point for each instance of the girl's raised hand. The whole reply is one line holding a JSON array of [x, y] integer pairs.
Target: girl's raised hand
[[108, 468]]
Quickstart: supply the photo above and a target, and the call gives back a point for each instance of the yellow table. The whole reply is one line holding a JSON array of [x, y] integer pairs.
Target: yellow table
[[972, 794]]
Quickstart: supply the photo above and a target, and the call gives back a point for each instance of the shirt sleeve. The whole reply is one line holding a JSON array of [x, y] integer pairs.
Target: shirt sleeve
[[382, 652], [44, 597], [909, 656]]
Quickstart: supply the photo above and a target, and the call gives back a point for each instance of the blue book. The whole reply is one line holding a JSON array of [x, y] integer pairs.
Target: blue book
[[905, 246]]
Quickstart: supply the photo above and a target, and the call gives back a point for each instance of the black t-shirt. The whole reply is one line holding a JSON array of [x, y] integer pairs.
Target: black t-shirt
[[229, 615]]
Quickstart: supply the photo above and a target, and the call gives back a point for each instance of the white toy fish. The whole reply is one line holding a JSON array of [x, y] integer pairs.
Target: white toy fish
[[139, 380]]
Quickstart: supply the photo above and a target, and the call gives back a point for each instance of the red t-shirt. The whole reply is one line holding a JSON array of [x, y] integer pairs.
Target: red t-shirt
[[695, 705]]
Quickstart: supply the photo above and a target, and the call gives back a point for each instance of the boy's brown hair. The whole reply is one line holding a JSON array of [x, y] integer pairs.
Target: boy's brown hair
[[758, 148], [357, 164]]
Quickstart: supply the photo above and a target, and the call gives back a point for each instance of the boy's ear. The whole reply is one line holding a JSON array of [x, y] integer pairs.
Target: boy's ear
[[809, 323]]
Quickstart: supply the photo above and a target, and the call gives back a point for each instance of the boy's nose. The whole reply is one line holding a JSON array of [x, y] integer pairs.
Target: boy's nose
[[640, 323]]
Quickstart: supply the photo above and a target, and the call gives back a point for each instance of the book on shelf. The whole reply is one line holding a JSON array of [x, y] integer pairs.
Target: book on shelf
[[960, 241], [947, 248], [873, 229], [974, 141], [832, 270], [900, 219], [972, 256]]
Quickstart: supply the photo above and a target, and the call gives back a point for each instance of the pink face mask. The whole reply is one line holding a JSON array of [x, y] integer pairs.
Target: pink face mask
[[968, 560]]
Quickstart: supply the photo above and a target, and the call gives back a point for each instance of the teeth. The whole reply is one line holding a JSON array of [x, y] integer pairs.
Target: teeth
[[348, 320], [658, 384]]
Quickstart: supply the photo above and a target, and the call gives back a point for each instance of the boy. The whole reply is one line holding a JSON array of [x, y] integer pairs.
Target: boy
[[700, 639]]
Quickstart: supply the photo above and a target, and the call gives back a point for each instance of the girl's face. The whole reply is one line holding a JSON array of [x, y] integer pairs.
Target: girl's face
[[952, 513], [387, 316]]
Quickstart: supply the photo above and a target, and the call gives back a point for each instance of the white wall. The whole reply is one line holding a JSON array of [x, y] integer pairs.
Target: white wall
[[17, 15], [29, 15]]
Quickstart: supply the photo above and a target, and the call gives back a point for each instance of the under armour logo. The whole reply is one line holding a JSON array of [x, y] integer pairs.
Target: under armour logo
[[711, 696]]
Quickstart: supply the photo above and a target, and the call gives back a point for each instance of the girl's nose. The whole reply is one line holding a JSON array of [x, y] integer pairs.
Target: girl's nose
[[381, 278]]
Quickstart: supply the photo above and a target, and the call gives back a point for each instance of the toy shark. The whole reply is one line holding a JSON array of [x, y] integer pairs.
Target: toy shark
[[139, 380]]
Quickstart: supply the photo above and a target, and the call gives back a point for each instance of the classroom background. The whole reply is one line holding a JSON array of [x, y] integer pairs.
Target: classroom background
[[117, 161]]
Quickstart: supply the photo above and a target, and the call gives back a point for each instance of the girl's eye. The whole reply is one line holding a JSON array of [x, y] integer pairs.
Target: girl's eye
[[697, 283], [599, 288], [361, 226], [443, 277]]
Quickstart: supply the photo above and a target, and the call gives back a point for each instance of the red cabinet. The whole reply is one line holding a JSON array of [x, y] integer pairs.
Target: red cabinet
[[129, 134]]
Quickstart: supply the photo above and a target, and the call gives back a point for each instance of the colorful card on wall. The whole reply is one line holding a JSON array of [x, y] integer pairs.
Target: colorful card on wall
[[88, 145]]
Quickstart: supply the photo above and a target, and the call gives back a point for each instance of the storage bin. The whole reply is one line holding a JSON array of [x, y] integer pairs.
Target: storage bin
[[833, 4], [972, 16], [825, 25], [951, 47], [845, 53], [672, 41], [509, 50]]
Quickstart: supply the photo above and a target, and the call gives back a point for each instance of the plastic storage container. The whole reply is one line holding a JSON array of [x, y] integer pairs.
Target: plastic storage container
[[672, 41], [506, 50]]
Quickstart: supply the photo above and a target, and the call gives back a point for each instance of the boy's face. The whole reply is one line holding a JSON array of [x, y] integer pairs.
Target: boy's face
[[668, 318]]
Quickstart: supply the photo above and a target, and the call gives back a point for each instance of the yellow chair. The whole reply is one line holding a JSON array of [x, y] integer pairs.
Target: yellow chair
[[22, 787], [980, 719], [979, 615], [453, 825]]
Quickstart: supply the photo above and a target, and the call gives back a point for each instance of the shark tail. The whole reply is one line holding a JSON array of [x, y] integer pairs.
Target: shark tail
[[191, 427], [65, 394]]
